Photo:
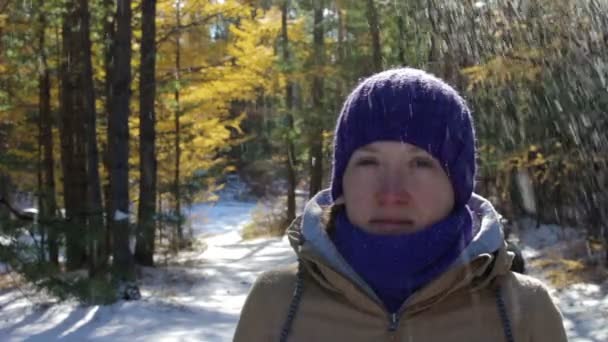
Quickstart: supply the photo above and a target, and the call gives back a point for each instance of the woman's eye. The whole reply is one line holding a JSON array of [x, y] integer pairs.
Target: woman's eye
[[424, 163], [366, 162]]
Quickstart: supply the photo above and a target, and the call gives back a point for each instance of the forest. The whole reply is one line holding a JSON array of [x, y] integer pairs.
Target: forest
[[116, 116]]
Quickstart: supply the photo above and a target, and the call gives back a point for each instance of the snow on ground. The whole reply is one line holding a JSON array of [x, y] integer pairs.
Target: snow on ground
[[197, 298], [198, 295], [583, 305]]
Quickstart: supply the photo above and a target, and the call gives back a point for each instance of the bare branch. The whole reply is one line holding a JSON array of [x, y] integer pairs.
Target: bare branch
[[194, 69], [185, 27], [17, 213]]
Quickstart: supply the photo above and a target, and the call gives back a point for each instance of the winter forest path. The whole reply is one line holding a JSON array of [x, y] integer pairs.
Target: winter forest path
[[197, 297]]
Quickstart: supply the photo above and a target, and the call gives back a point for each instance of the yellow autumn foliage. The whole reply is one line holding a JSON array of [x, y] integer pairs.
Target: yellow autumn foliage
[[501, 70], [213, 73]]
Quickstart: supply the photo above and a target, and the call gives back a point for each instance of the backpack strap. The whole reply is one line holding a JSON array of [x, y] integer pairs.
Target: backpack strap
[[297, 295], [504, 317]]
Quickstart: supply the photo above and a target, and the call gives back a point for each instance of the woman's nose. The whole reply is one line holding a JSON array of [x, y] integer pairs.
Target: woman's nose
[[392, 191], [386, 198]]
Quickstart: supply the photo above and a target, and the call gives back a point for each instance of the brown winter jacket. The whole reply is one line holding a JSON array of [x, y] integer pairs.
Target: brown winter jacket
[[477, 299]]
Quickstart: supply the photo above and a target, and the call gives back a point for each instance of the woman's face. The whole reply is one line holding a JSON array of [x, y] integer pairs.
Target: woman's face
[[393, 187]]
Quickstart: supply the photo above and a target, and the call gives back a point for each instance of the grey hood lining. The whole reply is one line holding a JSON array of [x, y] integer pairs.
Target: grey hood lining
[[487, 235], [320, 243]]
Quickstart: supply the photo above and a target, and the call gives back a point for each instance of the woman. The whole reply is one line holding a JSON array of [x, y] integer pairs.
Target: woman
[[409, 252]]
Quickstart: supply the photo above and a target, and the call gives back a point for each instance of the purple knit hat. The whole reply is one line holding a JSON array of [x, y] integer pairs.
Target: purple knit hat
[[415, 107]]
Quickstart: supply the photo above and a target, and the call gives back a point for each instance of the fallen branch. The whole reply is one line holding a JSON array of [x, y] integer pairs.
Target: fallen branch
[[17, 213]]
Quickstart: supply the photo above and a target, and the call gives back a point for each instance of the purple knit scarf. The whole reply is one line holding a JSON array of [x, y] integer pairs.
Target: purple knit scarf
[[395, 266]]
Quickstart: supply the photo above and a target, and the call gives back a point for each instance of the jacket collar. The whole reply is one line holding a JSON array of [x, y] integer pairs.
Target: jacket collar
[[484, 258]]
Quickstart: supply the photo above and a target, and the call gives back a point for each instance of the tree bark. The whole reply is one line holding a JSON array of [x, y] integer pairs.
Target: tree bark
[[290, 148], [144, 248], [109, 29], [118, 144], [341, 35], [341, 81], [433, 58], [65, 122], [73, 153], [401, 42], [374, 30], [94, 207], [47, 203], [176, 186], [316, 134]]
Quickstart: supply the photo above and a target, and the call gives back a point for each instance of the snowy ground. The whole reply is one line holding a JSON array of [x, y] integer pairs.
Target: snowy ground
[[198, 296], [583, 305]]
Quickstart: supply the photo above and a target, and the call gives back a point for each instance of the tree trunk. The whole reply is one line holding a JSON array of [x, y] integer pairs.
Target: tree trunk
[[144, 249], [290, 148], [402, 39], [316, 134], [94, 208], [341, 35], [47, 203], [374, 30], [453, 57], [65, 123], [42, 231], [5, 193], [4, 178], [605, 245], [176, 185], [109, 29], [316, 164], [72, 143], [434, 48], [343, 76], [118, 144]]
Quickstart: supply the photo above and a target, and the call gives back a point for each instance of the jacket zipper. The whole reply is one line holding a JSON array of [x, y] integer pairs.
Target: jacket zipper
[[394, 322], [393, 317]]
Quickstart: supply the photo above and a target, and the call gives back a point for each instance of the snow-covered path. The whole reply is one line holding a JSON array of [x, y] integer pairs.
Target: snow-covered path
[[198, 298]]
